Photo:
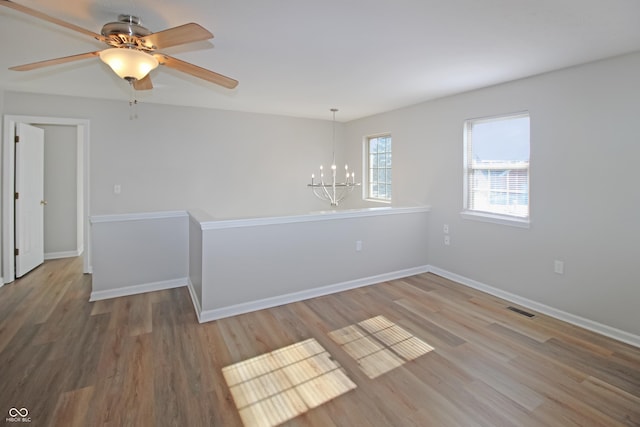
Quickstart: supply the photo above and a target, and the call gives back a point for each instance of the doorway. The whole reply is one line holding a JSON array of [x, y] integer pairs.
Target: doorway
[[81, 129]]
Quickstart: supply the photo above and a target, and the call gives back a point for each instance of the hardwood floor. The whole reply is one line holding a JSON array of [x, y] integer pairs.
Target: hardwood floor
[[422, 351]]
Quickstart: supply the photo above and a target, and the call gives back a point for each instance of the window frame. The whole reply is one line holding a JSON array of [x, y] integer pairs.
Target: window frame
[[491, 216], [367, 187]]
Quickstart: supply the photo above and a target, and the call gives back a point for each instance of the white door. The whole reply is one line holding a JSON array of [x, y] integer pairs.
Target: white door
[[29, 202]]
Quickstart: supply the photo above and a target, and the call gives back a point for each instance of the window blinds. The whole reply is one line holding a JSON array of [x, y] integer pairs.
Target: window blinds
[[497, 165]]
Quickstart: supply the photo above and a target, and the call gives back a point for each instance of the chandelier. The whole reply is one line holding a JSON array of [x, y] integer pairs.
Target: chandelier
[[333, 191]]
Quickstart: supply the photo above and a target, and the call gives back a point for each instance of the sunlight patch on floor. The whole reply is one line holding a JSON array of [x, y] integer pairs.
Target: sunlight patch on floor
[[275, 387], [379, 345]]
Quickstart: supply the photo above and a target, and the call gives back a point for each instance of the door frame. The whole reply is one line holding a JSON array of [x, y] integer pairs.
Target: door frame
[[8, 186]]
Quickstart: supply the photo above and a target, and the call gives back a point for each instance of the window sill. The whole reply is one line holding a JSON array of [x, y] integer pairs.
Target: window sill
[[386, 202], [496, 219]]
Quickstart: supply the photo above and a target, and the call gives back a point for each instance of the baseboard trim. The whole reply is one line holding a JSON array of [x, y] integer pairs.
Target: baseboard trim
[[65, 254], [234, 310], [582, 322], [194, 300], [242, 308], [138, 289]]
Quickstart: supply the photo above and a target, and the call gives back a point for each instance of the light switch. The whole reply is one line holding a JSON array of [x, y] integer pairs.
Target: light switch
[[558, 267]]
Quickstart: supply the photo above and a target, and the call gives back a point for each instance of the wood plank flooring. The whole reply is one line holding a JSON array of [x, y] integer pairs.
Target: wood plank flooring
[[145, 361]]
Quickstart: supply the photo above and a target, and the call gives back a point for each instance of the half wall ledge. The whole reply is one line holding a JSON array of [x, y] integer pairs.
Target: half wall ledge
[[242, 265]]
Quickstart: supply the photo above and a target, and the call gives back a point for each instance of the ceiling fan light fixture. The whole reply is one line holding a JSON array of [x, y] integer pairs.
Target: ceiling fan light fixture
[[129, 63], [131, 48]]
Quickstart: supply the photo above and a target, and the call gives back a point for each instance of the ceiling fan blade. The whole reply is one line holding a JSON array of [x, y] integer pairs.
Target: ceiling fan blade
[[194, 70], [57, 61], [144, 84], [175, 36], [48, 18]]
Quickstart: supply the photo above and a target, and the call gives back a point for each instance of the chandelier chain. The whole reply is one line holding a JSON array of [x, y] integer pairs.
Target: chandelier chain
[[333, 192]]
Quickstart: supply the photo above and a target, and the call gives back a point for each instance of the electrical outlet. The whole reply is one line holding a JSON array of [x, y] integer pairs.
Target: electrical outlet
[[117, 189], [358, 245], [447, 240], [558, 267], [445, 228]]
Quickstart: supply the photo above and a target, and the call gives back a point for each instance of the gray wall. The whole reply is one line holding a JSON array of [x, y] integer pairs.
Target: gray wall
[[584, 146], [1, 207], [227, 163], [585, 143], [250, 263], [60, 190], [138, 253]]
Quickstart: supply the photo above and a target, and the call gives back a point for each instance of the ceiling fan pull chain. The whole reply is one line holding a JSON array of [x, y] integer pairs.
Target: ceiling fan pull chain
[[133, 102]]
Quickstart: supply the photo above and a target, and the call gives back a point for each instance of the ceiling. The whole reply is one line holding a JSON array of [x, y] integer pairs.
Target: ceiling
[[302, 57]]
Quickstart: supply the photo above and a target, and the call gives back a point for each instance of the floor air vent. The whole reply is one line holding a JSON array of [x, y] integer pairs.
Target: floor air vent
[[517, 310]]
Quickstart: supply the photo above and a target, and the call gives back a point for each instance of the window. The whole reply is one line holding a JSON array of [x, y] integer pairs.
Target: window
[[496, 167], [378, 156]]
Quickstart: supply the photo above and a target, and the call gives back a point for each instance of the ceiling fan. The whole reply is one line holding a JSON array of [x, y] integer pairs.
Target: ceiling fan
[[132, 51]]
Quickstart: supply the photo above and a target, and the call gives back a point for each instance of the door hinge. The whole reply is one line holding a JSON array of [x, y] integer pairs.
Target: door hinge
[[16, 139], [17, 195], [17, 252]]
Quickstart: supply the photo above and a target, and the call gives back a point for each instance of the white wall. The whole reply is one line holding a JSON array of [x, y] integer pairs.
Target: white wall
[[60, 191], [227, 163], [585, 143]]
